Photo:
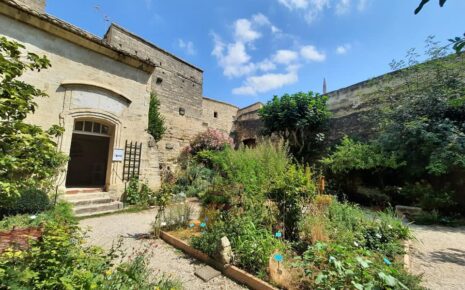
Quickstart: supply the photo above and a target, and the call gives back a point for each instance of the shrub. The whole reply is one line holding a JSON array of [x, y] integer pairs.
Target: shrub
[[252, 245], [292, 191], [59, 260], [138, 193], [211, 139], [156, 122], [333, 266], [30, 201]]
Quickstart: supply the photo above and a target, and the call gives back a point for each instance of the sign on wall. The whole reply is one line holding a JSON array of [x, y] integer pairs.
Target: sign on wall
[[118, 155]]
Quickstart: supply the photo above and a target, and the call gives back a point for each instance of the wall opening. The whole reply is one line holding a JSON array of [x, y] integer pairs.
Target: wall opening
[[250, 143], [89, 155]]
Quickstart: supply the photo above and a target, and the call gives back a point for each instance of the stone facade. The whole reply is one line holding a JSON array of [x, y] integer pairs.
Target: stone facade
[[108, 81], [248, 126]]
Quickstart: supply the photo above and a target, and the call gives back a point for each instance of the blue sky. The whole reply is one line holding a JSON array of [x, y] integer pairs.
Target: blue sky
[[252, 50]]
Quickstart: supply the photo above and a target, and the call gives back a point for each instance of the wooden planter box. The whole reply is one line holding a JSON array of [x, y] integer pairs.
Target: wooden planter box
[[230, 271], [19, 238]]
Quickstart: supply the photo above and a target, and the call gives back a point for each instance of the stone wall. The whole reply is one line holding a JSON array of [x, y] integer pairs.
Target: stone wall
[[77, 71], [218, 115], [248, 126], [38, 5]]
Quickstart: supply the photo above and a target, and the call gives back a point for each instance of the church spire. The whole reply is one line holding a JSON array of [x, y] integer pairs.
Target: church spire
[[324, 86]]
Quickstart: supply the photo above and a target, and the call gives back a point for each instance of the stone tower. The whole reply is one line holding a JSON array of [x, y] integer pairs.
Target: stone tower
[[324, 87]]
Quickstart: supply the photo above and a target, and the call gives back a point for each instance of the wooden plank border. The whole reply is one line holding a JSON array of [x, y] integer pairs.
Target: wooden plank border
[[230, 271]]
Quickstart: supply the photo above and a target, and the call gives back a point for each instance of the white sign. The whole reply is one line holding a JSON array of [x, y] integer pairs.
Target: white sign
[[118, 154]]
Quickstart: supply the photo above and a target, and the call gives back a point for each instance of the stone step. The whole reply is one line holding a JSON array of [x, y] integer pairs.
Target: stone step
[[81, 202], [85, 196], [95, 209], [78, 190]]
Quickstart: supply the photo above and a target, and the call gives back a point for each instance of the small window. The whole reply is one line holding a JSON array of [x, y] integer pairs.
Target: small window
[[97, 128], [105, 130], [159, 81], [88, 126], [215, 114], [78, 126], [182, 111]]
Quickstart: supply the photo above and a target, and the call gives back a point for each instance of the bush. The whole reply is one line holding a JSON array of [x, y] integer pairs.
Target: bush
[[59, 260], [252, 245], [156, 126], [138, 193], [211, 139], [333, 266], [30, 201], [292, 191]]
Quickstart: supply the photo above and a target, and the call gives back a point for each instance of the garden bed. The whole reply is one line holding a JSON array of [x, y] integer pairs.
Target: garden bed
[[230, 271]]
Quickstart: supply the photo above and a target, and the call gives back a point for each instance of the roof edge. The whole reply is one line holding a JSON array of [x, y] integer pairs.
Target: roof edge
[[72, 33], [150, 44], [221, 102]]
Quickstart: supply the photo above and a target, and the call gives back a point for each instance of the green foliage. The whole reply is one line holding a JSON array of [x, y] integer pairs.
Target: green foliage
[[28, 154], [292, 191], [59, 260], [334, 266], [156, 122], [194, 180], [252, 245], [31, 201], [351, 155], [301, 119], [381, 232], [138, 193]]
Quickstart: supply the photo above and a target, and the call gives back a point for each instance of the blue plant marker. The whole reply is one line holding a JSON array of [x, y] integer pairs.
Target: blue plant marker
[[202, 225], [278, 258], [387, 262], [191, 225], [278, 235]]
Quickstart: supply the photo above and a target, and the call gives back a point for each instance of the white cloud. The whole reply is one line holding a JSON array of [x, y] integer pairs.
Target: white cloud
[[310, 52], [187, 46], [343, 49], [244, 32], [311, 10], [233, 58], [266, 65], [285, 56], [267, 82], [343, 7]]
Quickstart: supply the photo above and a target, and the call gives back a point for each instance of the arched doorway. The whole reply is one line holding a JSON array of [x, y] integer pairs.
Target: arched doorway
[[89, 154]]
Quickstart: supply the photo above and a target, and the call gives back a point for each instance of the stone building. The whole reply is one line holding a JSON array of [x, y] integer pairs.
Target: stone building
[[99, 91]]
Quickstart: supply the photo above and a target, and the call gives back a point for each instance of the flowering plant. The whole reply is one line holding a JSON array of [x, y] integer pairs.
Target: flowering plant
[[211, 139]]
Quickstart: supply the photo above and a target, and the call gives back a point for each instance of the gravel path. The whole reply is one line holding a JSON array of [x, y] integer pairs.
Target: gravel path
[[106, 230], [439, 254]]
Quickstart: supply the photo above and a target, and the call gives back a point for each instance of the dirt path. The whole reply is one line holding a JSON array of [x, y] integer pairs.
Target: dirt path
[[106, 230], [439, 254]]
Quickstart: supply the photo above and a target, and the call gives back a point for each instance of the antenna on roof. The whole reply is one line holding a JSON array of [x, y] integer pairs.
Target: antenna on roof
[[324, 86]]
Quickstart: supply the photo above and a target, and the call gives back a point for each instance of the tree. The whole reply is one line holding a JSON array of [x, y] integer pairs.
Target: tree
[[28, 155], [458, 43], [301, 119], [156, 122]]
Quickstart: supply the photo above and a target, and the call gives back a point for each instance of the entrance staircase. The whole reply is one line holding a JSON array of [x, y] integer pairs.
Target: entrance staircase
[[91, 201]]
